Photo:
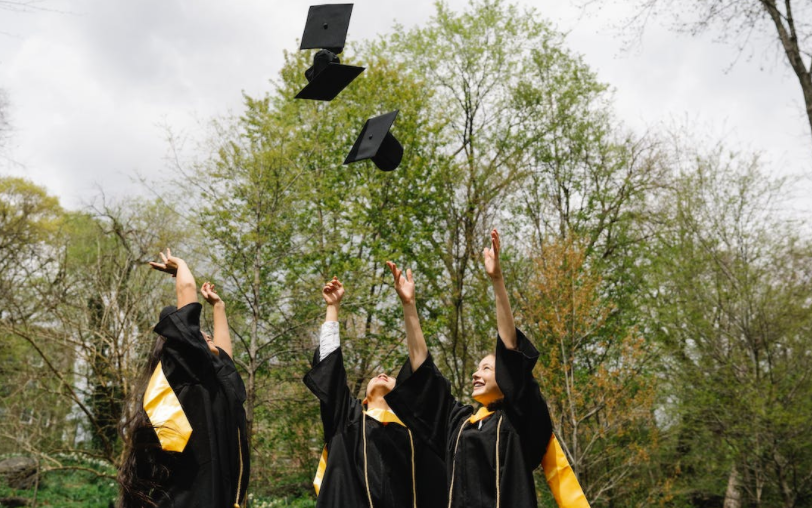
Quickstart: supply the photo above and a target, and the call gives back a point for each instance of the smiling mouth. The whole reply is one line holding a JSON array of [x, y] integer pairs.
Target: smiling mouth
[[478, 384]]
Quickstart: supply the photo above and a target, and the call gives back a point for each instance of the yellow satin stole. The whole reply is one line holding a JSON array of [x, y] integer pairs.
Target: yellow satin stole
[[480, 415], [165, 413], [382, 415], [561, 478]]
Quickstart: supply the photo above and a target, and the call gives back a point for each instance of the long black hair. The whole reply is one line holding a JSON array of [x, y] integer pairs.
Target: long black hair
[[143, 470]]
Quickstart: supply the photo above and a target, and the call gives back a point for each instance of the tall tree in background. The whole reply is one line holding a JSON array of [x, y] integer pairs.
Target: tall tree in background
[[507, 90], [732, 286], [596, 377], [786, 23], [29, 223], [470, 61], [84, 303]]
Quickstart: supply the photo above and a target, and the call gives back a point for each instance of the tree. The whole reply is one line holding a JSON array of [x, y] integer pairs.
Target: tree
[[83, 311], [596, 376], [731, 289], [29, 222], [785, 22]]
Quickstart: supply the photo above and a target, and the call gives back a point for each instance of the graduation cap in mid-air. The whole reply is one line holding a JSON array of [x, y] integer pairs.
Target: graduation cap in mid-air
[[326, 30], [377, 143]]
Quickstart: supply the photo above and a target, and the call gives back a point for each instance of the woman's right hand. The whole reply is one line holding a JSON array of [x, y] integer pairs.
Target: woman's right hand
[[333, 292], [170, 263], [207, 290], [404, 285]]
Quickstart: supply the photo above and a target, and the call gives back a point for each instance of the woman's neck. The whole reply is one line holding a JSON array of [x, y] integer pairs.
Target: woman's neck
[[378, 403]]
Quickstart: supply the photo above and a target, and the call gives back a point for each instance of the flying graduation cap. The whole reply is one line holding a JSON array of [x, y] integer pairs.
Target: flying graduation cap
[[326, 29], [377, 143]]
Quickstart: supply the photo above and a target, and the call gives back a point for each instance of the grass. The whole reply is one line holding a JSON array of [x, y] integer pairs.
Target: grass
[[84, 489]]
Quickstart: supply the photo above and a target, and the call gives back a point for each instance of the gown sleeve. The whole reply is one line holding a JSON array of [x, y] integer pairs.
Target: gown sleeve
[[185, 354], [227, 372], [524, 405], [328, 382], [422, 399]]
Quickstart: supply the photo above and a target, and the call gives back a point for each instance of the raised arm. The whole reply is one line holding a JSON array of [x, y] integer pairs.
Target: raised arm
[[222, 337], [504, 315], [414, 333], [332, 293], [185, 286], [185, 355], [327, 379]]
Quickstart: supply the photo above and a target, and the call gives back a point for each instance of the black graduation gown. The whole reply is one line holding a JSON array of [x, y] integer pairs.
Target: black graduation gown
[[212, 393], [389, 452], [423, 400]]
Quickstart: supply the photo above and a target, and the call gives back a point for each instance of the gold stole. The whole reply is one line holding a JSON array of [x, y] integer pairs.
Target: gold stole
[[165, 413], [560, 477]]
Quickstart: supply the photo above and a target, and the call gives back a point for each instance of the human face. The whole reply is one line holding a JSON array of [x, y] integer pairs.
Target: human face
[[485, 389], [210, 343], [379, 386]]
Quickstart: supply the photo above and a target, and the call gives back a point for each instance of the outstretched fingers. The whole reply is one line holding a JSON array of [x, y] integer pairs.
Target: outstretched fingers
[[158, 266], [395, 272]]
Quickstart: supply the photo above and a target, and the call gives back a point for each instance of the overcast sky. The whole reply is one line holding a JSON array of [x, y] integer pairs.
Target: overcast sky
[[91, 82]]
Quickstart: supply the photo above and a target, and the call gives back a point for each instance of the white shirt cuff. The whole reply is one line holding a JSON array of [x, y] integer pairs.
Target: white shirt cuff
[[328, 340]]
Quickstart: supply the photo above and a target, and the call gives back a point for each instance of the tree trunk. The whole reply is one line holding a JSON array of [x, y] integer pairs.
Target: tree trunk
[[733, 496], [788, 36]]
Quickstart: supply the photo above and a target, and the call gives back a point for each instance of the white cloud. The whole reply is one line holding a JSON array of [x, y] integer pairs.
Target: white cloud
[[88, 89]]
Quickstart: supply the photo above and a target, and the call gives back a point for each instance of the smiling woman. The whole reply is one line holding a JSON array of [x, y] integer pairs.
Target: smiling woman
[[491, 454]]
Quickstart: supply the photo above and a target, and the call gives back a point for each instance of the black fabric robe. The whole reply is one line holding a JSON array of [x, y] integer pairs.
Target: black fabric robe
[[389, 452], [212, 394], [423, 400]]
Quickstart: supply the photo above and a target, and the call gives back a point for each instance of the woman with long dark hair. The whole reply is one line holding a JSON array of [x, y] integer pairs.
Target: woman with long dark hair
[[186, 443]]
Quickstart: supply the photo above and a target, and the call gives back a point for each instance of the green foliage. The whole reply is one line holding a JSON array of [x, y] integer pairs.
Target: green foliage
[[732, 308], [91, 487]]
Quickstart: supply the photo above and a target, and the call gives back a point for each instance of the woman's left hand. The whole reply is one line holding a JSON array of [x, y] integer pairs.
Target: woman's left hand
[[207, 290], [491, 257]]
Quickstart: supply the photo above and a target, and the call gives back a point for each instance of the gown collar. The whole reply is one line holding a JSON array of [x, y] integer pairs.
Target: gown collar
[[384, 416], [480, 415]]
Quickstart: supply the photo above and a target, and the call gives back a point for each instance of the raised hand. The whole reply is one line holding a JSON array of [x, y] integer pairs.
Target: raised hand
[[170, 263], [185, 282], [491, 257], [221, 335], [333, 292], [403, 285], [207, 290]]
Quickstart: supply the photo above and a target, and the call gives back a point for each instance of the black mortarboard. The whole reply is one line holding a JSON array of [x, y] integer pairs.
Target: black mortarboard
[[327, 79], [326, 28], [377, 143]]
